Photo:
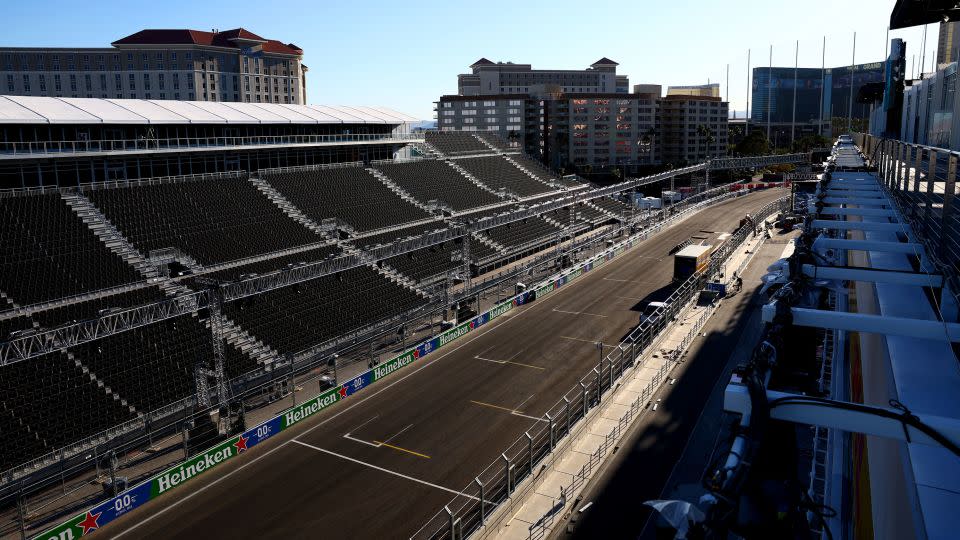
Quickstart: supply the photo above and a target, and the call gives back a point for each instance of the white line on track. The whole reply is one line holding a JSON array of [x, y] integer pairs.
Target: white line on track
[[590, 341], [634, 281], [579, 313], [395, 435], [381, 469]]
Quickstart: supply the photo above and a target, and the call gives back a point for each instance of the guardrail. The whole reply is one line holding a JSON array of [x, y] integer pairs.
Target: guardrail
[[149, 489]]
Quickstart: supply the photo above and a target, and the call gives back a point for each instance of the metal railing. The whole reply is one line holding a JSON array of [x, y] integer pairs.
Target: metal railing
[[921, 181], [143, 144], [467, 511]]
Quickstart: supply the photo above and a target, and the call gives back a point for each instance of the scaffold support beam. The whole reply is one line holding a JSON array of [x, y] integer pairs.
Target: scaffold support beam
[[875, 276], [871, 212], [859, 226], [875, 421], [868, 245], [873, 324]]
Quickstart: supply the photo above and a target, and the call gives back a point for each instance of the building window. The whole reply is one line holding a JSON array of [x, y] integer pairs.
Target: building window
[[43, 83], [10, 83], [468, 112], [160, 82], [489, 103], [73, 83], [468, 120], [118, 83], [176, 81], [447, 105], [190, 83], [133, 81]]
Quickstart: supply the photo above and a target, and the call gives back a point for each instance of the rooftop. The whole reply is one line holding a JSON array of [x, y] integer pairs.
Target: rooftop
[[51, 110], [237, 38]]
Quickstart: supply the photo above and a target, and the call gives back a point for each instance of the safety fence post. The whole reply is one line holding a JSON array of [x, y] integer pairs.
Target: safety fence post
[[530, 450], [483, 514]]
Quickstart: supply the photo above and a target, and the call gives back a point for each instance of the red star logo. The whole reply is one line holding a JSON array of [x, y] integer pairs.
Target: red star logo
[[473, 324], [416, 353], [241, 443], [89, 523], [343, 392]]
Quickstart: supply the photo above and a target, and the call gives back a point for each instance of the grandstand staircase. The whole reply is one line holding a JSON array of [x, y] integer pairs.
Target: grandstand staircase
[[489, 243], [109, 235], [395, 276], [234, 335], [100, 382], [477, 181], [603, 210], [488, 144], [526, 171], [288, 207], [428, 149], [404, 194]]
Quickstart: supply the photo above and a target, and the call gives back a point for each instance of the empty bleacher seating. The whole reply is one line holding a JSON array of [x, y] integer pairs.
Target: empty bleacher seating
[[350, 194], [611, 205], [456, 142], [437, 260], [211, 220], [436, 180], [497, 172], [397, 234], [49, 253], [48, 402], [274, 263], [495, 140], [297, 317], [587, 214], [152, 365], [536, 168], [522, 233]]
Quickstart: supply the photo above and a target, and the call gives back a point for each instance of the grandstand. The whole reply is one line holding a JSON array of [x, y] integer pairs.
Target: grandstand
[[456, 143], [431, 180], [119, 224]]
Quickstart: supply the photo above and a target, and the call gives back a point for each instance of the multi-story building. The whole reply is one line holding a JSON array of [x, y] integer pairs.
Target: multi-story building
[[567, 118], [192, 65], [489, 78], [694, 125], [595, 130], [795, 111], [948, 43]]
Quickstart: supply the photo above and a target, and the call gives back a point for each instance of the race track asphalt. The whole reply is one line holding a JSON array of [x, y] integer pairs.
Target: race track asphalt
[[384, 462]]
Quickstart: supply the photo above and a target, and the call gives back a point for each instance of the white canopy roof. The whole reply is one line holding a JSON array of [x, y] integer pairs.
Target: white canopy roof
[[51, 110]]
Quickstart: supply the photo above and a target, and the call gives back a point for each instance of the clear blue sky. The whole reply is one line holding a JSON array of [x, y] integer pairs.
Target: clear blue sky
[[406, 54]]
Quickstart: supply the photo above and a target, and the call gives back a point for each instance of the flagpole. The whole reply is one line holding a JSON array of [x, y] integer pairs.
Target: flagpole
[[793, 118]]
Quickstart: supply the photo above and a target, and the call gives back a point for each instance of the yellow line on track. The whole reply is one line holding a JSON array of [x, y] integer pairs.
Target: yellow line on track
[[418, 454]]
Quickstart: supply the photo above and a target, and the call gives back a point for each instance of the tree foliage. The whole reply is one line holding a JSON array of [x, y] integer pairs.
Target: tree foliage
[[754, 144]]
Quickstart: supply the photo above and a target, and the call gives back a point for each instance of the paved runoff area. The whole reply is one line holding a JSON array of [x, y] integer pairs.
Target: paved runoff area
[[380, 465]]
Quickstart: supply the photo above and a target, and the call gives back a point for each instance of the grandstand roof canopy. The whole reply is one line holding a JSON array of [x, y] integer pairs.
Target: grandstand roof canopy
[[51, 110]]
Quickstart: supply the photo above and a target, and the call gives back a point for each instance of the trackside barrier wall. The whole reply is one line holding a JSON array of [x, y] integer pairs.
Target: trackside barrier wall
[[111, 509]]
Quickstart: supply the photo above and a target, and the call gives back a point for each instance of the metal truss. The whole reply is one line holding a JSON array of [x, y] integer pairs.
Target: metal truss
[[36, 345], [718, 164]]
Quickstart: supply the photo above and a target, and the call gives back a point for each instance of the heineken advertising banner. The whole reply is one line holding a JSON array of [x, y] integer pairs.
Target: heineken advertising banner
[[98, 516]]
